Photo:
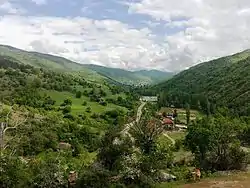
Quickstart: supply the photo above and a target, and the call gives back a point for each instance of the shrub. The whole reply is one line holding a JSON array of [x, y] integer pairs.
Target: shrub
[[88, 110], [66, 109], [78, 94]]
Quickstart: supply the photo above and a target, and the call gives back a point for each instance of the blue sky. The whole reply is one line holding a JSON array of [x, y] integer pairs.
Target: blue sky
[[168, 35]]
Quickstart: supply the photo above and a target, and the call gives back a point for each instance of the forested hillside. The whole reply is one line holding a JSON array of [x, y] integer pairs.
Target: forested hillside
[[221, 82], [142, 77], [90, 72]]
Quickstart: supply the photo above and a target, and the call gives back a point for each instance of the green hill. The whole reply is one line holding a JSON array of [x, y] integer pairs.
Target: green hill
[[90, 72], [221, 82], [49, 61], [142, 77]]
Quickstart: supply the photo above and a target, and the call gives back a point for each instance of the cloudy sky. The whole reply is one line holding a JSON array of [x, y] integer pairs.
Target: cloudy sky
[[132, 34]]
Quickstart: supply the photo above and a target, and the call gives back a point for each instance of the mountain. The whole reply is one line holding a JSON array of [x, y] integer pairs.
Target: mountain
[[221, 82], [91, 72], [142, 77], [50, 62]]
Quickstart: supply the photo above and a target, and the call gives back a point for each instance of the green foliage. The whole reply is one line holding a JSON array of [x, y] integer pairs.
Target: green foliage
[[123, 162], [215, 143], [67, 102], [188, 113], [131, 78], [222, 82], [88, 110], [78, 94], [66, 109], [13, 172]]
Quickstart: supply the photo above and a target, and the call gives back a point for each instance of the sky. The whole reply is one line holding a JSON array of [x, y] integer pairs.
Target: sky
[[170, 35]]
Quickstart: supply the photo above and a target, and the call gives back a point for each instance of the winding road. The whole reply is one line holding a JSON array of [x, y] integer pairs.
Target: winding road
[[125, 131], [138, 117]]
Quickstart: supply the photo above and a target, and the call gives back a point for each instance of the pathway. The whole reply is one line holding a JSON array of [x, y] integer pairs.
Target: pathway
[[171, 139], [138, 117]]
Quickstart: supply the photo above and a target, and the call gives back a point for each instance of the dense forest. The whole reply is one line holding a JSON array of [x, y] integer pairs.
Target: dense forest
[[221, 82]]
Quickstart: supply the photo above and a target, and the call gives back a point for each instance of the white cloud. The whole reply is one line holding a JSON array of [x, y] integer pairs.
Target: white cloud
[[209, 28], [106, 42], [203, 30], [6, 6], [39, 2]]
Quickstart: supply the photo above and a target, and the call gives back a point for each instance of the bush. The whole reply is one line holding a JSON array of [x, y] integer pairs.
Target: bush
[[178, 144], [103, 103], [88, 110], [66, 109], [78, 94], [94, 116], [67, 102], [69, 116], [84, 103]]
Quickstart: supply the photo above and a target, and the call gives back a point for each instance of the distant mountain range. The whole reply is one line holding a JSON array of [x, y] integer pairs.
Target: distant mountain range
[[88, 71], [131, 77]]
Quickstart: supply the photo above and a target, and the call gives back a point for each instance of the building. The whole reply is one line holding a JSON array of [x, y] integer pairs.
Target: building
[[168, 123], [149, 98]]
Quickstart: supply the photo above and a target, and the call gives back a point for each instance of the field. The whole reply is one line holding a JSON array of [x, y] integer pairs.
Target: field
[[182, 113], [77, 107]]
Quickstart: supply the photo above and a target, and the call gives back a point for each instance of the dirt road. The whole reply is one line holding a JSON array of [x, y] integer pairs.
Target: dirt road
[[138, 117], [241, 180]]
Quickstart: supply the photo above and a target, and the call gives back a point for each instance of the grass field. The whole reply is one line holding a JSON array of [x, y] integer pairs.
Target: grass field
[[182, 113], [77, 107]]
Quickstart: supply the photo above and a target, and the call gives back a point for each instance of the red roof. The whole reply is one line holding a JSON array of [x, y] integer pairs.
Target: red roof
[[167, 121]]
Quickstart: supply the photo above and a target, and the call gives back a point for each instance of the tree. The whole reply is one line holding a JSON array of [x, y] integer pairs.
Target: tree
[[78, 94], [88, 109], [10, 123], [67, 109], [188, 113], [208, 108], [215, 143], [67, 102]]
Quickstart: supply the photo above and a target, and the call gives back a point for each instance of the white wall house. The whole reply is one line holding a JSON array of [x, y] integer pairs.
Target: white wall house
[[149, 98]]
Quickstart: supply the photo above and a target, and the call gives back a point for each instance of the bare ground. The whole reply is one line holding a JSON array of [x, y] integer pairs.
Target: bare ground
[[240, 180]]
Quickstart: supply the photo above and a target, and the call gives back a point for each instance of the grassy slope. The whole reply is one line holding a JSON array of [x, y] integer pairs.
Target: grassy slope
[[224, 80], [77, 107], [59, 97], [50, 62]]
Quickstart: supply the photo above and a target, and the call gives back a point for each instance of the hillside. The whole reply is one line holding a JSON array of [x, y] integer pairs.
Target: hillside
[[222, 82], [90, 72], [142, 77]]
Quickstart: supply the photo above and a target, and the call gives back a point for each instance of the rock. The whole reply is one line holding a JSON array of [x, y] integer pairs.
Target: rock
[[64, 146], [165, 177]]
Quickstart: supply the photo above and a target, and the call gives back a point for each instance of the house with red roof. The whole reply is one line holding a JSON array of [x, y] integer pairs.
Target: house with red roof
[[168, 123]]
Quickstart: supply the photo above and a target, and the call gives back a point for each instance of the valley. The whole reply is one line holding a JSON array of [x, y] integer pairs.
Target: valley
[[118, 128]]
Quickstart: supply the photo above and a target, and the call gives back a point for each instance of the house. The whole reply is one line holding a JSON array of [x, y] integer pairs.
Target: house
[[149, 98], [168, 123]]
